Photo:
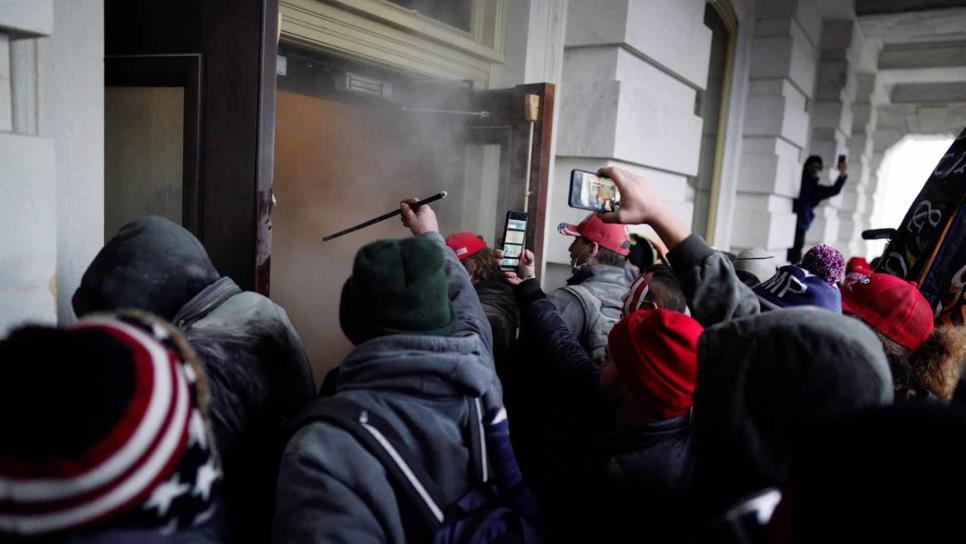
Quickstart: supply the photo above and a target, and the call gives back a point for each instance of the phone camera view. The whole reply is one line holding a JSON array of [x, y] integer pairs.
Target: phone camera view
[[513, 240], [592, 192]]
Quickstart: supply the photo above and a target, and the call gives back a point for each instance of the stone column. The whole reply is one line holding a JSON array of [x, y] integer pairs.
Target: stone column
[[631, 72], [831, 119], [782, 79], [855, 205]]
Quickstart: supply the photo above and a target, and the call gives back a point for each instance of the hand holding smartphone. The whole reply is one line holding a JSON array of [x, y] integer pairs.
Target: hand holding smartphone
[[591, 191], [514, 238]]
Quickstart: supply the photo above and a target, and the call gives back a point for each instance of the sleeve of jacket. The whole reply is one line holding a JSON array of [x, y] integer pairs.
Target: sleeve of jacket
[[501, 312], [555, 346], [320, 498], [301, 383], [469, 313], [570, 310], [713, 290], [828, 191]]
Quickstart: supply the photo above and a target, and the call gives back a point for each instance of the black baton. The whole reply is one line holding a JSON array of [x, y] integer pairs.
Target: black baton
[[415, 206]]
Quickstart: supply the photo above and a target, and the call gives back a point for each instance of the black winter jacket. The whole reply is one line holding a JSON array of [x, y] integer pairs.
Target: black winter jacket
[[583, 462], [500, 307], [258, 373]]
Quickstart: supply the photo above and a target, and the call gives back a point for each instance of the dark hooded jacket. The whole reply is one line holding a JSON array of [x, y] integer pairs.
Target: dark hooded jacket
[[258, 372], [500, 307], [765, 378]]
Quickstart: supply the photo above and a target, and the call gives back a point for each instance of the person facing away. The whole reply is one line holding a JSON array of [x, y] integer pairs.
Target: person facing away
[[810, 195], [618, 446], [926, 360], [422, 358], [259, 374], [106, 436], [590, 303], [496, 296]]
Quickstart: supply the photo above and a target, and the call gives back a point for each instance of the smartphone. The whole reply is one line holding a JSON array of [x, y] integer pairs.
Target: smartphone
[[841, 159], [514, 238], [589, 191]]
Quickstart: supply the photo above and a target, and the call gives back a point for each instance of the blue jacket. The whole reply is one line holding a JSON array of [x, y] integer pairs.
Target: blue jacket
[[810, 195], [330, 488]]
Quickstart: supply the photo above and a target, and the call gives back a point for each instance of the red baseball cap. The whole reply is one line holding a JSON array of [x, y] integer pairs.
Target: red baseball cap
[[656, 354], [858, 264], [891, 305], [612, 236], [465, 244]]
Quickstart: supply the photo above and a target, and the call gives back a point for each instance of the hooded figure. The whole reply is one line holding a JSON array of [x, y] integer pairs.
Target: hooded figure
[[258, 371], [106, 435], [422, 357], [765, 378]]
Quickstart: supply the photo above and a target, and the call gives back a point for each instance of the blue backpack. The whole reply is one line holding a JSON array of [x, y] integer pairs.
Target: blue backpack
[[497, 509]]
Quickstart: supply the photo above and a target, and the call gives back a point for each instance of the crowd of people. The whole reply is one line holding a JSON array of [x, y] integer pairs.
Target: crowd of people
[[668, 392]]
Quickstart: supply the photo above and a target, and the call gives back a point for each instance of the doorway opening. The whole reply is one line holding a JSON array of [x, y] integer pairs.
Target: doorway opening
[[352, 140], [713, 109]]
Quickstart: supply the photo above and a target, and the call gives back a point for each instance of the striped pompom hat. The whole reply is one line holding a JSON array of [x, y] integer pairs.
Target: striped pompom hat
[[104, 425]]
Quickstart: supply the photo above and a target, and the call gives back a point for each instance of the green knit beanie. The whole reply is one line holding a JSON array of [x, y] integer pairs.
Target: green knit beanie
[[397, 286]]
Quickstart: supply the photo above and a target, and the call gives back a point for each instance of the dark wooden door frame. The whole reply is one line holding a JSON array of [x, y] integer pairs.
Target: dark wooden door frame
[[235, 44], [508, 127], [265, 200], [183, 71]]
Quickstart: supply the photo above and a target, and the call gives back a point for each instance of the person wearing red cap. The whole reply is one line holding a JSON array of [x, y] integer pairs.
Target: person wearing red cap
[[622, 436], [496, 296], [590, 303], [858, 264], [925, 360]]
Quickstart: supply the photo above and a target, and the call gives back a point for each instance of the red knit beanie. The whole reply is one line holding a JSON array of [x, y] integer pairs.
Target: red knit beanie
[[656, 353]]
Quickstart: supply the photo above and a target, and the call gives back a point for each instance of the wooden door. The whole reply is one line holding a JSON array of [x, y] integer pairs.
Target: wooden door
[[342, 158], [223, 54]]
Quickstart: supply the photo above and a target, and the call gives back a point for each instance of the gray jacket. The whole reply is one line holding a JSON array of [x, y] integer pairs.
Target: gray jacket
[[590, 304], [259, 378], [711, 287], [330, 488]]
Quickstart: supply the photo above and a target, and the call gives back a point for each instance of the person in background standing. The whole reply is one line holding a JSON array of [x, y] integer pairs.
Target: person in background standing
[[810, 195]]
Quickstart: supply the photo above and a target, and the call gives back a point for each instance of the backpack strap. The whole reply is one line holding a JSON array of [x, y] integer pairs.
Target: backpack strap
[[479, 461], [415, 491]]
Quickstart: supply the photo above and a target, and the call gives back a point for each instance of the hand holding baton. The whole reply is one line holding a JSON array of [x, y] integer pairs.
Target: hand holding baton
[[415, 206]]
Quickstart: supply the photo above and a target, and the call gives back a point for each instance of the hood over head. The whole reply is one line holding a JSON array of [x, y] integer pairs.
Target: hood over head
[[764, 378], [151, 264]]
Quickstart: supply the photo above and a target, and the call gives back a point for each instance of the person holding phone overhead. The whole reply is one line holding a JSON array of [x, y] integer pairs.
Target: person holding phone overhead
[[810, 195]]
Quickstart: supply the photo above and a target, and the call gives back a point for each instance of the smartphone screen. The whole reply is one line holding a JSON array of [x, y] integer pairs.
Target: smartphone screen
[[514, 238], [589, 191]]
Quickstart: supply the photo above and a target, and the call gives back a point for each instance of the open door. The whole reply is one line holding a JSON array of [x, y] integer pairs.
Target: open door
[[352, 140]]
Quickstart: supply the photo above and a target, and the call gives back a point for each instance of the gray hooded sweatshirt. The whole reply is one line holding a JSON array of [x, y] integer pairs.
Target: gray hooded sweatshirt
[[330, 488]]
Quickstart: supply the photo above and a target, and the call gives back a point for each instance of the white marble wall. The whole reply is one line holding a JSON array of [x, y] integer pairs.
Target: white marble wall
[[73, 58], [832, 120], [785, 56], [51, 155], [631, 72]]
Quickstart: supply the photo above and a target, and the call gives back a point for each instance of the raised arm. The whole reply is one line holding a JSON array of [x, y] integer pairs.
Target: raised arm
[[556, 350], [713, 290], [470, 318]]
